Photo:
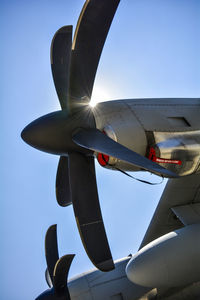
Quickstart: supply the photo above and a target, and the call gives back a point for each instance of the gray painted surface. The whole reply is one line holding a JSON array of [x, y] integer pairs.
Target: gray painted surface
[[127, 129], [154, 114], [170, 261], [139, 123], [190, 292], [188, 214], [178, 194], [98, 285], [181, 191], [182, 146], [135, 117]]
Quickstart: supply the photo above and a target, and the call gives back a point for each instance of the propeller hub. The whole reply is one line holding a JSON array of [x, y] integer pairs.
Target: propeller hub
[[53, 132]]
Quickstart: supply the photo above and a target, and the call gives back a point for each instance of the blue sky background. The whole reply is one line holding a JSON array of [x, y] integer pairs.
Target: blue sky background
[[152, 50]]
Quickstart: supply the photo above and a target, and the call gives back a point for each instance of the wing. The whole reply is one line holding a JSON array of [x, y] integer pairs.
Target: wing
[[179, 205]]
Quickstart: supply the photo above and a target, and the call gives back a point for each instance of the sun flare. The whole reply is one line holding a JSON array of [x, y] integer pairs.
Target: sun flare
[[99, 95]]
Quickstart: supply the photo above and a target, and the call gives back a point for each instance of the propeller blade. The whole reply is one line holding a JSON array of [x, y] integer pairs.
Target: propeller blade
[[63, 193], [89, 38], [57, 269], [60, 276], [95, 140], [60, 63], [51, 250], [87, 210], [49, 295], [60, 290]]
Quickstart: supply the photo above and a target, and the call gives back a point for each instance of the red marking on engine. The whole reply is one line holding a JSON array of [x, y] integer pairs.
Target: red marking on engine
[[102, 159], [152, 156]]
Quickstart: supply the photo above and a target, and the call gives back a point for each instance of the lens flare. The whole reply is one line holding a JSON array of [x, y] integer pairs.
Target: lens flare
[[99, 95]]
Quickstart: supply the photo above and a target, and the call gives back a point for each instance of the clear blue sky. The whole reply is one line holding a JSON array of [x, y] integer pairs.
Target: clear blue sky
[[152, 51]]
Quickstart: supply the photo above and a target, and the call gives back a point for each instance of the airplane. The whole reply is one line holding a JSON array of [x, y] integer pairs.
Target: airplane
[[156, 135]]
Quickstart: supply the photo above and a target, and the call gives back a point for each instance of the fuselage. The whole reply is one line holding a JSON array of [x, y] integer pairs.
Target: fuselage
[[115, 285]]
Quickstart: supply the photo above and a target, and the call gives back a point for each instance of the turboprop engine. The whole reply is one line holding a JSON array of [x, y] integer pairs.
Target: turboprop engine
[[169, 261], [135, 125]]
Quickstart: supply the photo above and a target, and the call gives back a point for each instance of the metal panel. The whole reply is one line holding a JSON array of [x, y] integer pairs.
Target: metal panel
[[127, 129], [171, 260], [99, 285], [188, 214], [154, 114], [181, 191], [133, 122], [183, 147]]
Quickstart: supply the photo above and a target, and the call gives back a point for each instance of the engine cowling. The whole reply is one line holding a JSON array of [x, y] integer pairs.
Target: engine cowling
[[103, 159], [169, 261]]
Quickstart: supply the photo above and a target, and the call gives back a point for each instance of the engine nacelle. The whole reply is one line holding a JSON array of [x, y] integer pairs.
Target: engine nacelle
[[169, 261], [118, 122], [145, 127]]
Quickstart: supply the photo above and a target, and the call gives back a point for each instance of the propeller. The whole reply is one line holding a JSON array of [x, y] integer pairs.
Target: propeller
[[71, 132], [57, 269]]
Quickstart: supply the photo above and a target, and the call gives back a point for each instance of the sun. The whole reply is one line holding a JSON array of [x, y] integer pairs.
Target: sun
[[99, 95]]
